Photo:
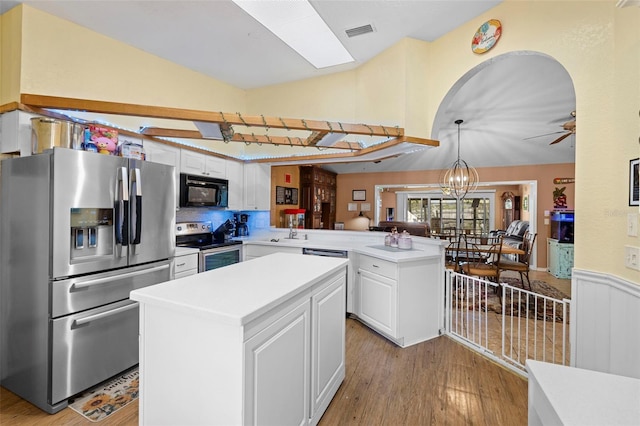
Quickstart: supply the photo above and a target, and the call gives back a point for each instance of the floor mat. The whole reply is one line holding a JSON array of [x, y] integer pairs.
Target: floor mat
[[107, 398]]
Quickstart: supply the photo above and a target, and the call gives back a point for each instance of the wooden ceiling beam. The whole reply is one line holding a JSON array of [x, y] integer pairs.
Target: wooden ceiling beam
[[242, 137], [207, 116]]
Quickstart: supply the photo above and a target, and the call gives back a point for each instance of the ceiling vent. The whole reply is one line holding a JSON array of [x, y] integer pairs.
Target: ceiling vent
[[352, 32]]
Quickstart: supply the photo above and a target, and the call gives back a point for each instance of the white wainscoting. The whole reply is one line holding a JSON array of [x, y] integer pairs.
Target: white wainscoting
[[605, 323]]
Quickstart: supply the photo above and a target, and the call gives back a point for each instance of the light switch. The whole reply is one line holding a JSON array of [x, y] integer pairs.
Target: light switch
[[632, 224], [632, 257]]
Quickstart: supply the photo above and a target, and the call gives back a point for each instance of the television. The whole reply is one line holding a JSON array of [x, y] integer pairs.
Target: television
[[562, 226]]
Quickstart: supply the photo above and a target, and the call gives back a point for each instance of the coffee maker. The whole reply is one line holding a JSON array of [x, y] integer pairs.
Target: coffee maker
[[223, 232], [242, 227]]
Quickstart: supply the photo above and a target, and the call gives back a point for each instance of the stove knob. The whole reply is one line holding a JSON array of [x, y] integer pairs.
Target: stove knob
[[179, 228]]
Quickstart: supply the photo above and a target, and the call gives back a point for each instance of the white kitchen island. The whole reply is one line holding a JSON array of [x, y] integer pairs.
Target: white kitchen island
[[258, 342]]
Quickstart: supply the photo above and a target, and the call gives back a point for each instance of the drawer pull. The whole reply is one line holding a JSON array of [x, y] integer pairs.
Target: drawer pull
[[181, 264]]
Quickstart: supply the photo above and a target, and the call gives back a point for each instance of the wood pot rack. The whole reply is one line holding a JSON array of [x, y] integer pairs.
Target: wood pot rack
[[225, 122]]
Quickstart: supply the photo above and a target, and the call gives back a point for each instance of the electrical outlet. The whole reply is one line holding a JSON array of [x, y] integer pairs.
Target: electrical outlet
[[632, 224], [632, 257]]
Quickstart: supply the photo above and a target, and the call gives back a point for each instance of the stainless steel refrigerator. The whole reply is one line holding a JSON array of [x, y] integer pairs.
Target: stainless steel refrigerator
[[78, 232]]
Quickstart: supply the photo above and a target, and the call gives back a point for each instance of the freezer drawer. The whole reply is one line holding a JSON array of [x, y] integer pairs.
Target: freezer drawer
[[80, 293], [92, 346]]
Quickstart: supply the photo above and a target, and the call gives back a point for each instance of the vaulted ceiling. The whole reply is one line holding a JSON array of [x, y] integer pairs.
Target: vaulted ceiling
[[502, 103]]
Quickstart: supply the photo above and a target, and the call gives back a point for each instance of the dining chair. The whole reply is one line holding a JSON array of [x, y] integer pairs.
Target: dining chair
[[522, 265], [483, 260], [452, 254]]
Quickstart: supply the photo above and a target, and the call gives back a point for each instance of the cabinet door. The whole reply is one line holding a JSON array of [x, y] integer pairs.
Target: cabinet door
[[215, 167], [192, 163], [277, 371], [378, 302], [257, 186], [552, 257], [328, 345], [235, 175], [165, 154]]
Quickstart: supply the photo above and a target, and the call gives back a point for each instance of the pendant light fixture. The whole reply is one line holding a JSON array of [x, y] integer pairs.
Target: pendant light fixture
[[460, 178]]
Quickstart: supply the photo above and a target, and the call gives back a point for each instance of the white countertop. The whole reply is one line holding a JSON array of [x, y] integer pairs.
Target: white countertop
[[369, 243], [238, 293], [577, 396]]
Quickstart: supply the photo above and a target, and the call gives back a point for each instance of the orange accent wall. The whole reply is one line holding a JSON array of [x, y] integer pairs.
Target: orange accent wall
[[543, 174], [278, 178]]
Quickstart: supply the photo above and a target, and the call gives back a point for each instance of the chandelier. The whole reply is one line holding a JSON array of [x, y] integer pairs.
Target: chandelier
[[460, 178]]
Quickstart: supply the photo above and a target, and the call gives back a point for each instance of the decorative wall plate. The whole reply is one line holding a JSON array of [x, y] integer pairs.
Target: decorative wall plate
[[486, 36]]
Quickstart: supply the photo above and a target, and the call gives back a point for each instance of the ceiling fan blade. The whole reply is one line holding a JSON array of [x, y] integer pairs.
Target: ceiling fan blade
[[561, 138], [546, 134]]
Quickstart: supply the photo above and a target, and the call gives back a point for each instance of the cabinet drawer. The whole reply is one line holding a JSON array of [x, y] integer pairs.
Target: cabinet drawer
[[184, 263], [379, 266]]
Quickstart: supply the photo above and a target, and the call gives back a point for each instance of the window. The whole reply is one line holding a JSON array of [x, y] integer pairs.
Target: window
[[440, 212]]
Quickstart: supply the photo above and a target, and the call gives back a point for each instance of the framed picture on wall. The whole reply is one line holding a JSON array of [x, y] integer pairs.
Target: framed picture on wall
[[359, 195], [634, 182]]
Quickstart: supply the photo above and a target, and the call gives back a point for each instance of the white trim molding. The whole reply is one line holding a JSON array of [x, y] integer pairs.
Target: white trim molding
[[605, 323]]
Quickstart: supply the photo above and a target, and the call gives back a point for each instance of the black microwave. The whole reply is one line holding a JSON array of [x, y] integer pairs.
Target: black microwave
[[202, 191]]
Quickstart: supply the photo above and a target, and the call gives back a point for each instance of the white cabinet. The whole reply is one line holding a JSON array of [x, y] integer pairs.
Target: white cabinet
[[235, 175], [257, 186], [378, 304], [165, 154], [277, 370], [297, 388], [327, 345], [15, 132], [275, 357], [195, 163], [185, 265], [401, 301]]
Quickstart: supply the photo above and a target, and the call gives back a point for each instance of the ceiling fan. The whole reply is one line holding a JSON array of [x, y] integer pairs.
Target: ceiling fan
[[569, 129]]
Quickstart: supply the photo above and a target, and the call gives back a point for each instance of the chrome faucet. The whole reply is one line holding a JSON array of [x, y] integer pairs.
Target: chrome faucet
[[293, 233]]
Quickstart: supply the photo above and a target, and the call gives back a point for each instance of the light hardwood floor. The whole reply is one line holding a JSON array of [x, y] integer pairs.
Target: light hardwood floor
[[437, 382]]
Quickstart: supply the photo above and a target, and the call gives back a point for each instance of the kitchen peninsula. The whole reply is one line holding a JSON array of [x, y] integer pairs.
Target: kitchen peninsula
[[258, 342]]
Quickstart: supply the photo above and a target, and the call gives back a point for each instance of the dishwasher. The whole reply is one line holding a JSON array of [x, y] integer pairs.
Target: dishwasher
[[333, 253], [325, 252]]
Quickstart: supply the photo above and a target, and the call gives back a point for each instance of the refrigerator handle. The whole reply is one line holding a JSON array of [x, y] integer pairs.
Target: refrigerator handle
[[122, 207], [136, 191]]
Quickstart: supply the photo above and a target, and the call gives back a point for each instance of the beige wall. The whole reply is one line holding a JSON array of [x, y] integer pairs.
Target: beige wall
[[596, 42], [60, 58], [10, 52]]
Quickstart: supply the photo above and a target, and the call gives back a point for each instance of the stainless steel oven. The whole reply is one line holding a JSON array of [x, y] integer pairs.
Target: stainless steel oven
[[216, 249], [218, 257]]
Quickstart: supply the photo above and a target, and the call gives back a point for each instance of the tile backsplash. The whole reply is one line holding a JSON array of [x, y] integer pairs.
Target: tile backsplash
[[257, 219]]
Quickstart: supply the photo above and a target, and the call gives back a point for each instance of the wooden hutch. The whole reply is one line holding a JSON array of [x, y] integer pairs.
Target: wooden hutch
[[318, 197]]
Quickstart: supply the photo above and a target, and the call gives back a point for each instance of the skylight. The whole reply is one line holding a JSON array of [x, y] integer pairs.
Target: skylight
[[298, 24]]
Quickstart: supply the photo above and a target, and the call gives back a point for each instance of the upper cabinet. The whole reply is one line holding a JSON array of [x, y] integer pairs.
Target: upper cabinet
[[165, 154], [235, 176], [15, 132], [195, 163], [257, 186]]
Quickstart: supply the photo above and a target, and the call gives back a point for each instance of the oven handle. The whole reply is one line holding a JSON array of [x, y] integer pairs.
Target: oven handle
[[90, 318], [103, 280]]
